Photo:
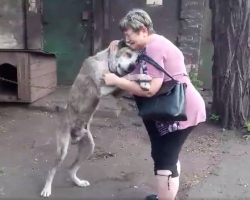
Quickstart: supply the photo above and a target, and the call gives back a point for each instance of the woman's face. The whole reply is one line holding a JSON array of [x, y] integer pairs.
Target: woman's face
[[136, 40]]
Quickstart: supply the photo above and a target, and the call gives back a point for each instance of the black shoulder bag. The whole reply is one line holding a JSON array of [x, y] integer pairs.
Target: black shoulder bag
[[168, 104]]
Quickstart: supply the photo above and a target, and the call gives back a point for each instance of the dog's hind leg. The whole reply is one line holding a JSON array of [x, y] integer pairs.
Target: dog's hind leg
[[85, 148], [63, 140]]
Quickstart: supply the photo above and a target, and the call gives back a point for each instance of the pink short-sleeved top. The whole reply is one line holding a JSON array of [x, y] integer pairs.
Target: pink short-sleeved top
[[165, 53]]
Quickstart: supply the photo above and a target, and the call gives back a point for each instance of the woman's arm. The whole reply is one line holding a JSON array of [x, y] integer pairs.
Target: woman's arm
[[133, 87]]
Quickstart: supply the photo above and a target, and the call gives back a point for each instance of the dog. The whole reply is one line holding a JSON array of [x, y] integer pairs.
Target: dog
[[83, 101]]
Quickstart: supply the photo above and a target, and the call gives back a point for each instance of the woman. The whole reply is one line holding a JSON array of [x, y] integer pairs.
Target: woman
[[166, 138]]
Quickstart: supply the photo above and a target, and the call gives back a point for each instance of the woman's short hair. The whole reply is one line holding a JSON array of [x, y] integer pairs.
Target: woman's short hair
[[136, 19]]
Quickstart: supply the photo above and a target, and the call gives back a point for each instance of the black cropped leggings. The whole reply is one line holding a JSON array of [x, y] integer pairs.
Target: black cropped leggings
[[165, 149]]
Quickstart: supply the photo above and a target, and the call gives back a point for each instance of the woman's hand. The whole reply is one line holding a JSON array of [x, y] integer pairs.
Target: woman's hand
[[110, 79]]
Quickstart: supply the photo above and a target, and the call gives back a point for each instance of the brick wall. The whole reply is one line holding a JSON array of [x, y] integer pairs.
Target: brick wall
[[189, 38]]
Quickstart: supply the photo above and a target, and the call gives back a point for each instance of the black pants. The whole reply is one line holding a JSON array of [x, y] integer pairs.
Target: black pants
[[165, 149]]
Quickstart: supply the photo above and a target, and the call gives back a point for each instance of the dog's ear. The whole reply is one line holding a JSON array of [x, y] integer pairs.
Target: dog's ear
[[122, 44]]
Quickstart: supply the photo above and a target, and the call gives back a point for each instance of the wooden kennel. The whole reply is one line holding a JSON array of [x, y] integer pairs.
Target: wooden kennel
[[26, 76]]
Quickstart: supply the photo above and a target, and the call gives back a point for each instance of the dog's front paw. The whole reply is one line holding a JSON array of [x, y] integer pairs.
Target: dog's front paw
[[82, 183], [145, 85], [46, 192], [139, 77], [144, 77]]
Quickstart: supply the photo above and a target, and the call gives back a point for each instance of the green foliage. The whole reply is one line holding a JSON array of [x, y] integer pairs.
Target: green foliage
[[247, 126], [214, 117], [193, 75]]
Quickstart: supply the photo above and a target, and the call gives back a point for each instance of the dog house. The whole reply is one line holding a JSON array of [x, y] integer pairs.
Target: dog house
[[26, 76], [27, 73]]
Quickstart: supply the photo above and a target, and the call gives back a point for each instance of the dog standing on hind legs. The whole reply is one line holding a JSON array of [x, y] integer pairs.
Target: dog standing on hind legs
[[83, 101]]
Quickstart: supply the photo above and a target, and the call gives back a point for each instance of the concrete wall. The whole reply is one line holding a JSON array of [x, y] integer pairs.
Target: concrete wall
[[20, 24], [11, 24]]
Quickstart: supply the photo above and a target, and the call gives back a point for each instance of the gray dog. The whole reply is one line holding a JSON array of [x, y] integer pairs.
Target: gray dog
[[83, 101]]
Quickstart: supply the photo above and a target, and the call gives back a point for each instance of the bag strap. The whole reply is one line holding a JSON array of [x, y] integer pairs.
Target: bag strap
[[153, 63]]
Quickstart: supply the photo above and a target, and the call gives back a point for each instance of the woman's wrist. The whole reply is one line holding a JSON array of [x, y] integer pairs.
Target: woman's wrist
[[129, 86], [117, 80]]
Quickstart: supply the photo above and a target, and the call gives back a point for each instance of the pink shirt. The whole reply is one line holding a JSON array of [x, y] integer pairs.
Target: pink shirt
[[165, 53]]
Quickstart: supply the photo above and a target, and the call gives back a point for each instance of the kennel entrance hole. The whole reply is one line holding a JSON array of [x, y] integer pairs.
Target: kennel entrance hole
[[9, 72]]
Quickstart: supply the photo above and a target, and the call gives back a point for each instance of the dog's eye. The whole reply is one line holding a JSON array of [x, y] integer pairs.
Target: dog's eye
[[129, 54]]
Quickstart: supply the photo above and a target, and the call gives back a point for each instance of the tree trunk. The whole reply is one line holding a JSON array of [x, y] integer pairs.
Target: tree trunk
[[231, 68]]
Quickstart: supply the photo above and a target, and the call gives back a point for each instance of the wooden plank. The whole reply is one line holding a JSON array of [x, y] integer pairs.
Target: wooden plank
[[44, 80], [49, 82], [43, 75], [8, 98], [38, 58], [43, 70], [23, 77], [41, 64], [40, 93], [8, 57]]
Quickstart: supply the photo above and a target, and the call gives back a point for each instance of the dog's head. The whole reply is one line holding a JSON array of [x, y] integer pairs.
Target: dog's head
[[124, 60]]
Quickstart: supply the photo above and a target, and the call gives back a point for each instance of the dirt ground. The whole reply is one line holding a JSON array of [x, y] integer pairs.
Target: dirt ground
[[121, 167]]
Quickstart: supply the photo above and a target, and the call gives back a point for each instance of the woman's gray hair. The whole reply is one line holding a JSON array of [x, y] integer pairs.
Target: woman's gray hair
[[136, 19]]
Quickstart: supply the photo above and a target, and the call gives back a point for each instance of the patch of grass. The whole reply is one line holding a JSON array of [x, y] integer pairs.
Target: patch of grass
[[247, 126], [193, 75], [214, 117]]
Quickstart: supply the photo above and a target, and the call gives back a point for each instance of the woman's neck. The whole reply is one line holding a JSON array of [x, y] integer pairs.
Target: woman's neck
[[150, 37]]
